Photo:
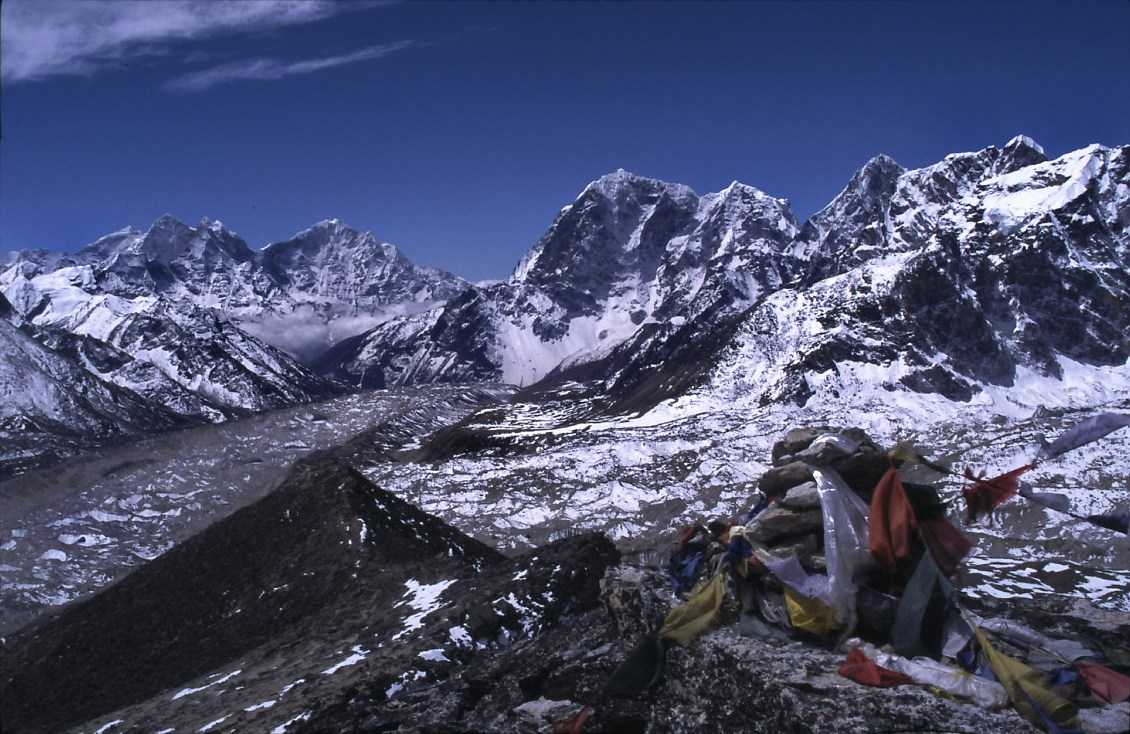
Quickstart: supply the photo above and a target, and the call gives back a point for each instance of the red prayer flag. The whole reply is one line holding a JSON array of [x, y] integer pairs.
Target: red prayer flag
[[1109, 685], [573, 724], [945, 543], [891, 520], [985, 495], [862, 669]]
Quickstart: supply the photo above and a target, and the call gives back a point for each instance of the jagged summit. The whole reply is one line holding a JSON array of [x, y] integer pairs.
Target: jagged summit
[[621, 183], [1020, 140], [875, 179], [334, 263], [737, 191], [1020, 152], [329, 225], [629, 251]]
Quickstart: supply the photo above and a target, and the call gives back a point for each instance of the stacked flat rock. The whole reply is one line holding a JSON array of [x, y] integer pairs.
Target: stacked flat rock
[[792, 525]]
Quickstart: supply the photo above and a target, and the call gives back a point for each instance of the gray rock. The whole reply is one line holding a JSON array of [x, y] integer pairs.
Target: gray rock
[[778, 522], [633, 599], [798, 439], [542, 712], [827, 449], [780, 479], [863, 470], [801, 497], [801, 546], [1106, 720]]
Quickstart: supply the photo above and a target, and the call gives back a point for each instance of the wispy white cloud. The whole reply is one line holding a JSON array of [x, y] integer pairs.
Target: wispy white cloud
[[247, 69], [43, 38]]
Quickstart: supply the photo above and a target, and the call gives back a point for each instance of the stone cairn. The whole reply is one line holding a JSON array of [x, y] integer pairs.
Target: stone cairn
[[792, 525]]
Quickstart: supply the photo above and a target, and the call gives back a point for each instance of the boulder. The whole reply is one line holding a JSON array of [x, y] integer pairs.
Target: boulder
[[796, 440], [827, 449], [801, 497], [863, 470], [776, 523], [633, 599], [780, 479], [801, 546]]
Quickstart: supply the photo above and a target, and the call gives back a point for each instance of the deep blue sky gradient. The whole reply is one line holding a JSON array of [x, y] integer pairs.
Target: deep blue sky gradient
[[463, 150]]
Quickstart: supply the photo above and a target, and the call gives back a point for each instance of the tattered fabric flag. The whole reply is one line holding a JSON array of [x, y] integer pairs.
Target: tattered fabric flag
[[1089, 430], [689, 620], [862, 669], [945, 543], [1035, 641], [920, 617], [573, 724], [891, 521], [1026, 690], [846, 549], [984, 495], [1050, 500], [1118, 521], [810, 615], [790, 573], [915, 468], [1047, 723], [1110, 686]]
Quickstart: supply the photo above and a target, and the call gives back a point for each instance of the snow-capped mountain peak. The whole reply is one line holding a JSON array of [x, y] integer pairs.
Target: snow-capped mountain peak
[[334, 263], [632, 258], [164, 240], [183, 319], [622, 183], [1034, 190], [628, 251]]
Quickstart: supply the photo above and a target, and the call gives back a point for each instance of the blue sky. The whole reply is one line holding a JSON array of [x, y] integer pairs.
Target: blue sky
[[458, 130]]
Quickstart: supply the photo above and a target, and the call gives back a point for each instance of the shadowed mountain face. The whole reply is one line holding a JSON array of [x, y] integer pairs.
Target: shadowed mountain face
[[1023, 279], [325, 563], [628, 251], [49, 402]]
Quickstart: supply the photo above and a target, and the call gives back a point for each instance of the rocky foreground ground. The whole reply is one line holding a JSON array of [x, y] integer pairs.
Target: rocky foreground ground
[[332, 605]]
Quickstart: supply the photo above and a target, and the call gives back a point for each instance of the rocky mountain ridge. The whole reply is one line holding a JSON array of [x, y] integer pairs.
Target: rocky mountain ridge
[[966, 272], [190, 324], [327, 273], [983, 272]]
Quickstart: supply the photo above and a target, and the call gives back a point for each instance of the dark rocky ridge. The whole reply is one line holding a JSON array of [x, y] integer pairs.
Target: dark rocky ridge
[[319, 561], [136, 500], [723, 682], [82, 408]]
